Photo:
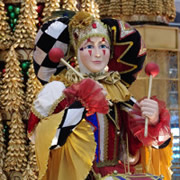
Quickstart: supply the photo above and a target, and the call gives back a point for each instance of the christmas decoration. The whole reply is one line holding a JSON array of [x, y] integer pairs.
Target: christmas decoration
[[160, 11], [69, 5], [115, 9], [128, 7], [39, 10], [31, 172], [2, 151], [12, 98], [104, 7], [142, 7], [90, 6], [17, 150], [25, 31], [33, 87], [12, 84], [50, 6], [5, 31], [169, 9], [25, 66], [13, 13]]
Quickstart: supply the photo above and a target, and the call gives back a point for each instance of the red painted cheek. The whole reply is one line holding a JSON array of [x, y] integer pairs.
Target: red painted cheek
[[90, 52], [104, 52]]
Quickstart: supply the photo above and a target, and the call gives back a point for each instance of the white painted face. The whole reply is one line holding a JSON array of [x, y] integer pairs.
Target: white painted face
[[93, 55]]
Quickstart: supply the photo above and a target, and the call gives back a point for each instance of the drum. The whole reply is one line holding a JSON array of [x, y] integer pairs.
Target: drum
[[132, 177]]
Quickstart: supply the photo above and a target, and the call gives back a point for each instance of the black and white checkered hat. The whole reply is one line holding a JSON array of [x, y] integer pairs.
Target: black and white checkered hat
[[128, 49], [53, 34]]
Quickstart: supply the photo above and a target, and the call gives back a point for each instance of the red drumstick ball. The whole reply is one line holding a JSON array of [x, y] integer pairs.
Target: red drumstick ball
[[152, 69], [55, 55]]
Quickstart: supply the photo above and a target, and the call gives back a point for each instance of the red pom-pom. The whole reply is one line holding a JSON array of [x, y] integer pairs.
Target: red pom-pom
[[55, 55], [152, 69], [40, 8]]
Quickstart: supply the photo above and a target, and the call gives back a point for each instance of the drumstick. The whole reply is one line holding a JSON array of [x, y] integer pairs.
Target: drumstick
[[152, 70], [56, 55]]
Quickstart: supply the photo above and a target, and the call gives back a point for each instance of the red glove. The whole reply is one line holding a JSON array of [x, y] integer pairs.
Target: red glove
[[91, 95], [158, 133]]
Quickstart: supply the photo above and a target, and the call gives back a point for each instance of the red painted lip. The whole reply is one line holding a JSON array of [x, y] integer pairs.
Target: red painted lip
[[97, 62]]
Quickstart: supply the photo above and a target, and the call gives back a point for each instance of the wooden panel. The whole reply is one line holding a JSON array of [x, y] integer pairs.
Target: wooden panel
[[159, 37]]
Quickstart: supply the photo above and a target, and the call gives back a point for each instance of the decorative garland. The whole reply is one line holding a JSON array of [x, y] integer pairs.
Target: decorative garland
[[162, 11], [12, 98], [5, 31]]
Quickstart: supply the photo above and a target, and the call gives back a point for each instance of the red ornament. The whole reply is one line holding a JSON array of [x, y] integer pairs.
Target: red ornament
[[3, 71], [94, 25], [40, 8], [152, 69], [55, 55]]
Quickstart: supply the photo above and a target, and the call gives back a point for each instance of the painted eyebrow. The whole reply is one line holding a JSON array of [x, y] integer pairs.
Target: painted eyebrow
[[104, 43], [88, 42]]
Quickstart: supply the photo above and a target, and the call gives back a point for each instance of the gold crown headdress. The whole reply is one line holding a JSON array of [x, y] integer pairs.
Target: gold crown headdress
[[83, 26]]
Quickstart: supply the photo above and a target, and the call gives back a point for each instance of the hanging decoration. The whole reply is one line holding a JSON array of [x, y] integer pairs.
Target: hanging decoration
[[25, 31], [12, 97], [128, 7], [31, 171], [5, 31], [2, 150], [39, 10], [142, 7], [90, 6], [33, 87], [114, 9], [169, 9], [13, 13], [160, 11], [69, 5], [105, 8], [50, 6]]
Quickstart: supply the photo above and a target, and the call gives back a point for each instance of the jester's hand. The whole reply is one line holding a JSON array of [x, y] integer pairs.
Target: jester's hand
[[91, 95], [149, 108]]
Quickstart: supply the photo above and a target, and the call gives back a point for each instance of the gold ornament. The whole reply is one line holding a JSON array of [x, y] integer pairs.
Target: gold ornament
[[33, 87], [115, 9], [91, 7], [5, 31], [31, 172], [12, 94], [2, 151], [50, 6], [69, 5], [25, 31], [127, 7], [17, 150]]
